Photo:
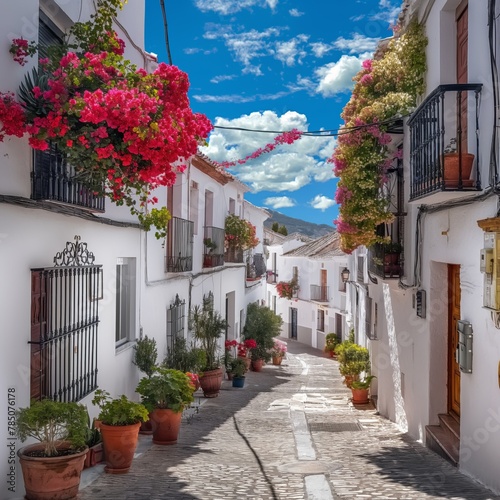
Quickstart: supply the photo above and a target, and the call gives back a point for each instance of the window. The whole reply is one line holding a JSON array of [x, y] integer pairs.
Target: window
[[232, 206], [274, 304], [321, 320], [342, 284], [193, 205], [175, 322], [125, 300], [52, 178]]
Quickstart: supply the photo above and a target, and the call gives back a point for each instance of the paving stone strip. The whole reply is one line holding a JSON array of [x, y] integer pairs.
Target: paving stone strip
[[243, 445]]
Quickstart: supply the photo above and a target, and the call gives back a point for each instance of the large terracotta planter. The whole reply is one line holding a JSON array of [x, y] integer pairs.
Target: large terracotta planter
[[51, 478], [451, 169], [166, 425], [257, 364], [120, 442], [211, 382], [359, 396], [146, 427]]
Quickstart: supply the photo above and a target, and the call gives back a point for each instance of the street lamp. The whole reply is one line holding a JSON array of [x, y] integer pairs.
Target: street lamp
[[345, 275]]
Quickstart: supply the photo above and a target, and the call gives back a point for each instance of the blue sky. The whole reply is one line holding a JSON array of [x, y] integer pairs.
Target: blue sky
[[273, 65]]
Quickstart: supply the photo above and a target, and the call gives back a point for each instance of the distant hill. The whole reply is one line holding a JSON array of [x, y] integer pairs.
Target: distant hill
[[297, 225]]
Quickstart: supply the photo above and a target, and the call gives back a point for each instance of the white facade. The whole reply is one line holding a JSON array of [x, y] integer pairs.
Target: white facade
[[133, 262], [319, 306], [412, 356]]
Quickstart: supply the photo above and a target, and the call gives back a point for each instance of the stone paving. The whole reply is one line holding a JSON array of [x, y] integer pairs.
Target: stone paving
[[290, 433]]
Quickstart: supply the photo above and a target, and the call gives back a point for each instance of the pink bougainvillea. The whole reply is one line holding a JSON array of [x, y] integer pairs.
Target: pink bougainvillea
[[285, 138]]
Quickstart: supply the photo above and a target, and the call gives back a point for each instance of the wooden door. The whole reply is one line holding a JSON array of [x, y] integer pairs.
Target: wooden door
[[324, 281], [462, 76], [453, 317]]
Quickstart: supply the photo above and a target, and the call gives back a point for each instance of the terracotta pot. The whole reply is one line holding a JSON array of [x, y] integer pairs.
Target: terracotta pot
[[257, 364], [359, 396], [248, 361], [51, 478], [120, 442], [230, 375], [166, 426], [277, 360], [211, 382], [239, 382], [451, 169], [146, 427], [94, 456]]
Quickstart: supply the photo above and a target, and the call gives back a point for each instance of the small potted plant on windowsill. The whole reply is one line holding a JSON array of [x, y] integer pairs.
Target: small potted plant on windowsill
[[120, 421], [52, 468], [451, 165]]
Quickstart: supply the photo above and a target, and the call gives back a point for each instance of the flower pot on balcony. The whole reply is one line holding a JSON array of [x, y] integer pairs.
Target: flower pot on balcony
[[451, 169]]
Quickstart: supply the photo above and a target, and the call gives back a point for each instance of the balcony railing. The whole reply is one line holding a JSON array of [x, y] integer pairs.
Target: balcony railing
[[179, 245], [54, 180], [234, 255], [384, 263], [319, 293], [439, 120], [213, 240]]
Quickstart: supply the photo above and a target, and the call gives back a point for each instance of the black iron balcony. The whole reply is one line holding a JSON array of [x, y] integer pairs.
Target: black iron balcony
[[384, 260], [319, 293], [213, 241], [179, 246], [54, 180], [442, 120]]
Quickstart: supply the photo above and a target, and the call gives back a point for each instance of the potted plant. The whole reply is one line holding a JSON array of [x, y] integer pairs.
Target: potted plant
[[145, 356], [287, 289], [52, 468], [331, 342], [120, 421], [262, 325], [94, 442], [353, 360], [245, 351], [165, 394], [208, 327], [451, 165], [360, 389], [278, 352], [238, 369], [210, 246]]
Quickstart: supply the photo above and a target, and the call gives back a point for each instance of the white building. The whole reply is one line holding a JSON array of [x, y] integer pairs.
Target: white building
[[81, 280], [439, 385], [319, 306]]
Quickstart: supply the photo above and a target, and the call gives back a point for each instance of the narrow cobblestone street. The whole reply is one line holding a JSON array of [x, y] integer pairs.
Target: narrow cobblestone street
[[291, 433]]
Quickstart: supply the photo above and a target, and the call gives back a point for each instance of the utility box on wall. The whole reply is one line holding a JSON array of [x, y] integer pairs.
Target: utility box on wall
[[464, 347]]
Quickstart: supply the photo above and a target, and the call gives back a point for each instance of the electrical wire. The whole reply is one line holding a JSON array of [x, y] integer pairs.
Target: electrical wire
[[318, 133], [165, 25]]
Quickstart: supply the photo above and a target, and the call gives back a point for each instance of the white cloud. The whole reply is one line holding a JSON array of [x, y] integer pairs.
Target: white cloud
[[320, 49], [288, 167], [222, 78], [357, 44], [243, 98], [276, 202], [226, 7], [389, 10], [321, 202], [288, 52], [335, 78], [295, 13]]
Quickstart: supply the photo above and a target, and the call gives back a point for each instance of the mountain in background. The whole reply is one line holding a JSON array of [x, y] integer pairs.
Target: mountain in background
[[297, 225]]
